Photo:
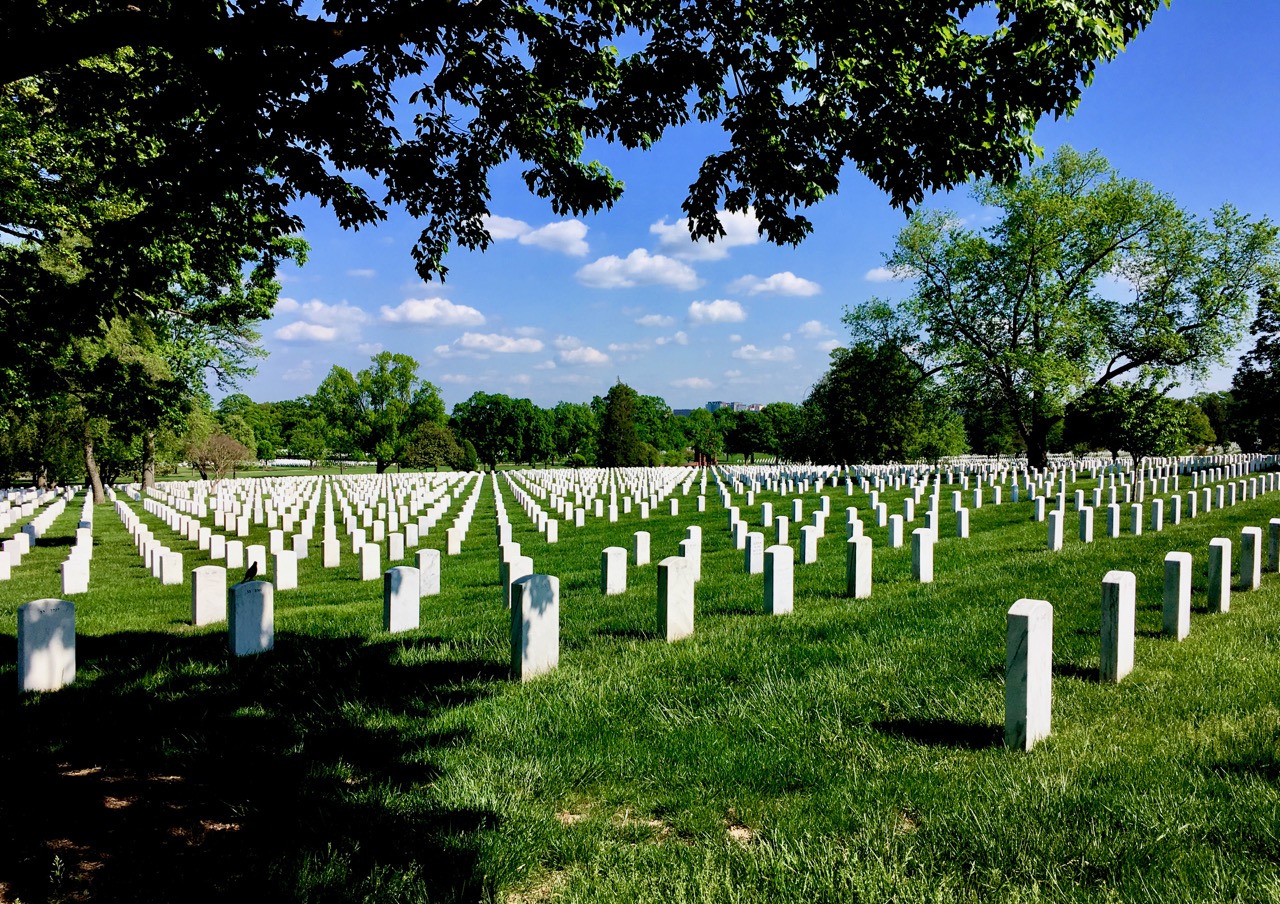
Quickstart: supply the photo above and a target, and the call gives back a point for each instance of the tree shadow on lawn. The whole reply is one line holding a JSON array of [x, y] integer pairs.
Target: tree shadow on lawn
[[171, 772], [944, 733]]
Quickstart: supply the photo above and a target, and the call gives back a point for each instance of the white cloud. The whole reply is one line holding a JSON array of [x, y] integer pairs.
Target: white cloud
[[302, 331], [362, 273], [341, 314], [565, 236], [828, 345], [680, 338], [887, 274], [735, 337], [786, 337], [731, 374], [563, 342], [627, 346], [454, 378], [584, 355], [481, 345], [502, 228], [784, 283], [719, 311], [545, 365], [522, 379], [813, 329], [739, 229], [432, 312], [656, 320], [693, 383], [777, 353], [300, 374], [639, 268], [369, 348]]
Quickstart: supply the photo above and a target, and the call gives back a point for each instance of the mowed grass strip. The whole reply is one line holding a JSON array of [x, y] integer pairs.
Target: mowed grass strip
[[849, 751]]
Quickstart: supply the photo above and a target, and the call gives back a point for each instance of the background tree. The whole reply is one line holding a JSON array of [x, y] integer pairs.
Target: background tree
[[218, 455], [575, 430], [703, 435], [1255, 387], [1018, 308], [619, 443], [1130, 417], [378, 408], [494, 424], [433, 446], [876, 405], [1219, 410]]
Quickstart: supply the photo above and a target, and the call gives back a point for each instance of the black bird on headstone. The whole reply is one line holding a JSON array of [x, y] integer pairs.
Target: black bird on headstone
[[251, 572]]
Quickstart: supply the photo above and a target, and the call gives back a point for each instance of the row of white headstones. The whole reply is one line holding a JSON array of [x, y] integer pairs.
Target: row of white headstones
[[47, 650]]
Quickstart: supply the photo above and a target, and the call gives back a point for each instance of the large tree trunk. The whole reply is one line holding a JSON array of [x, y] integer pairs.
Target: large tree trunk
[[148, 459], [92, 472], [382, 465]]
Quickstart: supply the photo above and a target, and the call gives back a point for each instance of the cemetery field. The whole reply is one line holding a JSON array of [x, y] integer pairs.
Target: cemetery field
[[852, 750]]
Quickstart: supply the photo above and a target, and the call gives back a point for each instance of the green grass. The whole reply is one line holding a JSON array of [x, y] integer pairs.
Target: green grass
[[850, 751]]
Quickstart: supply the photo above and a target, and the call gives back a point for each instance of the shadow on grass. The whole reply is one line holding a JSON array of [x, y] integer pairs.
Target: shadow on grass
[[943, 733], [170, 772], [1078, 672]]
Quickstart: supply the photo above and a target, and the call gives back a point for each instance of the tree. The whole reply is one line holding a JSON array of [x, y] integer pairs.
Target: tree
[[296, 99], [1138, 419], [1019, 308], [1256, 384], [905, 418], [619, 444], [378, 409], [703, 436], [218, 456], [492, 423], [752, 432], [788, 425], [432, 446], [574, 431], [1219, 409]]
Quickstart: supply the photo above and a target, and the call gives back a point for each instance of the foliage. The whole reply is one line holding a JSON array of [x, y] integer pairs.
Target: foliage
[[218, 456], [1132, 417], [433, 446], [703, 436], [378, 409], [296, 100], [1022, 308], [1219, 410], [619, 443], [904, 419], [1255, 387]]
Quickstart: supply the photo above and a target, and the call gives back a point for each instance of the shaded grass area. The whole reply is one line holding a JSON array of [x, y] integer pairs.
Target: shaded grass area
[[849, 751]]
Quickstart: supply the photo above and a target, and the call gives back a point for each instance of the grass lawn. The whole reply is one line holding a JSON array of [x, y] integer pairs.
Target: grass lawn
[[851, 751]]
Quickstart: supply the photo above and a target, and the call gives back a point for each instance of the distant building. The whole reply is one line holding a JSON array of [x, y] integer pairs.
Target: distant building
[[734, 406], [716, 406]]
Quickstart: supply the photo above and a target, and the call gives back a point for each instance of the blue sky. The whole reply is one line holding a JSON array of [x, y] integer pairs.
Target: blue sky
[[559, 309]]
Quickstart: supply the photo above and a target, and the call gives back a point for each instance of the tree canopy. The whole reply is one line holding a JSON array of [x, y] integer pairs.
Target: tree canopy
[[203, 112], [1083, 278]]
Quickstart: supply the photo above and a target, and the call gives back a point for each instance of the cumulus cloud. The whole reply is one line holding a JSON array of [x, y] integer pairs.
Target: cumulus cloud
[[362, 273], [563, 342], [369, 348], [784, 283], [626, 346], [680, 338], [432, 312], [813, 329], [545, 365], [454, 378], [303, 373], [481, 345], [887, 274], [719, 311], [565, 236], [656, 320], [739, 229], [754, 353], [584, 354], [828, 345], [639, 268], [693, 383], [735, 337], [302, 331], [341, 314]]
